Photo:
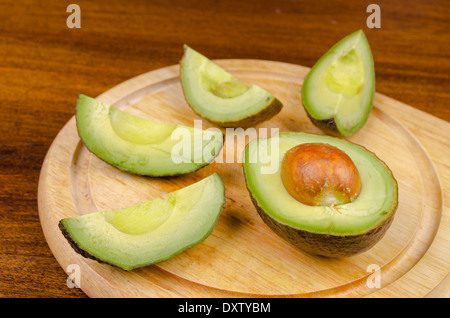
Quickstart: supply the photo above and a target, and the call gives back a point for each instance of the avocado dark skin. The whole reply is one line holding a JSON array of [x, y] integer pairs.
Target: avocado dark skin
[[328, 126], [75, 245], [333, 246], [274, 108]]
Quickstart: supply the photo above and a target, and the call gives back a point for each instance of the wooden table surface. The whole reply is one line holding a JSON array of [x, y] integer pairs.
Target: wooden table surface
[[44, 65]]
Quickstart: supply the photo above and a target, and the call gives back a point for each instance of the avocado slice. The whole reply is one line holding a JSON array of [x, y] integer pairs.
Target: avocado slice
[[338, 92], [327, 230], [221, 98], [151, 232], [142, 146]]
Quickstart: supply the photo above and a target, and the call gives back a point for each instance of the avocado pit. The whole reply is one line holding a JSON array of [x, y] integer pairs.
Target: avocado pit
[[319, 174]]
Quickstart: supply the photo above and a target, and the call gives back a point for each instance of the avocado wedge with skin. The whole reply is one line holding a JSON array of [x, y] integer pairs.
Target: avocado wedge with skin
[[141, 146], [338, 92], [327, 230], [151, 232], [220, 97]]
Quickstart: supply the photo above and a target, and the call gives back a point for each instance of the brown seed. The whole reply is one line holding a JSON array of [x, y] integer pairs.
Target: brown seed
[[320, 174]]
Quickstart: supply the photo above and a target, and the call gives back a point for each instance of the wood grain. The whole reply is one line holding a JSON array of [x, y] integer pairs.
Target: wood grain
[[75, 182], [45, 65]]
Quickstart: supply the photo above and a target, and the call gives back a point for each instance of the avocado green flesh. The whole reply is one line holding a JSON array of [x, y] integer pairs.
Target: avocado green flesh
[[152, 231], [142, 146], [216, 94], [378, 195], [341, 84], [138, 130]]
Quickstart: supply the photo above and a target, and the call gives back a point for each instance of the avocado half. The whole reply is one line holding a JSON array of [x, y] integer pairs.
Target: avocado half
[[332, 231], [141, 146], [151, 232], [338, 92], [221, 98]]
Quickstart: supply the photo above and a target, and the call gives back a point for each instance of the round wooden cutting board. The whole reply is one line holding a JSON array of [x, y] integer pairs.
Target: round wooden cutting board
[[242, 257]]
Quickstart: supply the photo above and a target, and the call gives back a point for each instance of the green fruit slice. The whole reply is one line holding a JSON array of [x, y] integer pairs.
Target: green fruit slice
[[142, 146], [338, 92], [151, 232], [326, 230], [221, 98]]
